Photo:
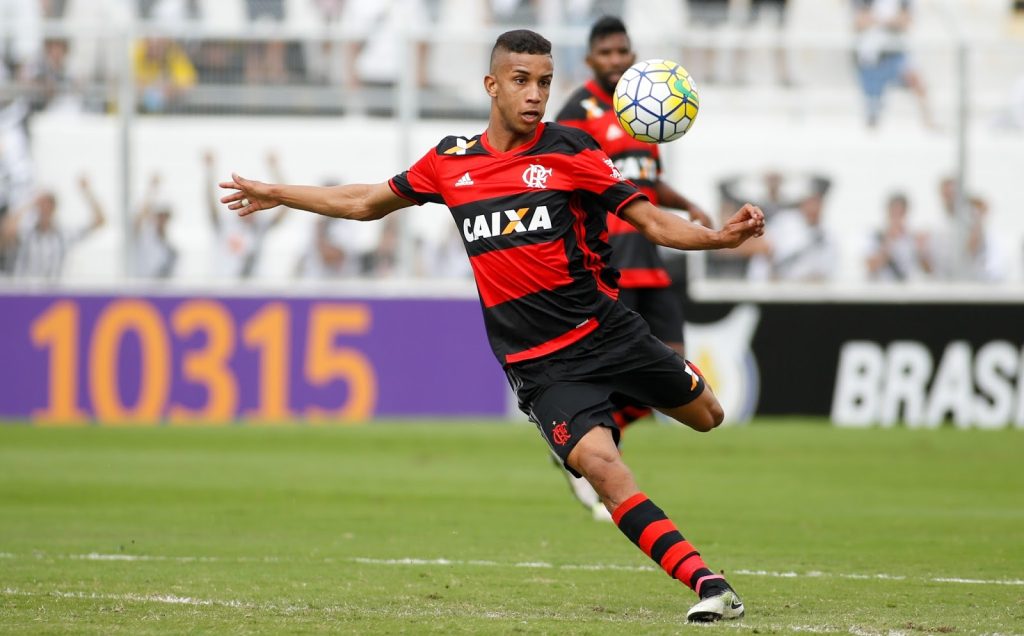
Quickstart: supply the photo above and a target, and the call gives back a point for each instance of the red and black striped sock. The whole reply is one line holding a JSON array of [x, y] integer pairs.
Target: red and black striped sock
[[649, 529]]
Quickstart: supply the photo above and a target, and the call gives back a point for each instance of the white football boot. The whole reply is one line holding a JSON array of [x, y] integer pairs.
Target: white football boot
[[724, 605]]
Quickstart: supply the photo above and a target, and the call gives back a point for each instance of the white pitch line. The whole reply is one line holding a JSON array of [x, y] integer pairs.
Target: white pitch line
[[639, 568], [138, 598], [412, 561], [979, 581]]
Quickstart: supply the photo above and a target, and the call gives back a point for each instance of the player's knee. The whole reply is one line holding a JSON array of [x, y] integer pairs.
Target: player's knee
[[598, 463]]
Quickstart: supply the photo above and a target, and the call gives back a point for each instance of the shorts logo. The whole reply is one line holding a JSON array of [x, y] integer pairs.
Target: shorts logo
[[536, 176], [691, 369], [560, 433]]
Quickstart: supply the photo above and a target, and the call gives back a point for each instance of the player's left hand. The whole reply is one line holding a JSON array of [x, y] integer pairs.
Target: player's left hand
[[249, 196], [748, 222]]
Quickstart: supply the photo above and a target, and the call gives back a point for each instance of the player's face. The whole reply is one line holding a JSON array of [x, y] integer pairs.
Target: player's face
[[609, 58], [519, 85]]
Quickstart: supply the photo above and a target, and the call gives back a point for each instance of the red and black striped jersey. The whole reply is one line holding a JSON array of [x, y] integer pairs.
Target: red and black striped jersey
[[532, 220], [590, 108]]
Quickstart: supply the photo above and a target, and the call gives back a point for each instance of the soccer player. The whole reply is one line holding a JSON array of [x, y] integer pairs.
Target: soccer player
[[529, 199], [644, 283]]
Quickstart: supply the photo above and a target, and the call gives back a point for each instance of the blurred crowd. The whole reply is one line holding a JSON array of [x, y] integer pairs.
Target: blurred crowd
[[69, 53], [57, 55], [799, 247]]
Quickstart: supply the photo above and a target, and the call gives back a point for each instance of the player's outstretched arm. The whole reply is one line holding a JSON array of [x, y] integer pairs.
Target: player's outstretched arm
[[357, 201], [669, 230]]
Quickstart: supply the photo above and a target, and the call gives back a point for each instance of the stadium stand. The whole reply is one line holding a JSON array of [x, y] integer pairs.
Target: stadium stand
[[348, 91]]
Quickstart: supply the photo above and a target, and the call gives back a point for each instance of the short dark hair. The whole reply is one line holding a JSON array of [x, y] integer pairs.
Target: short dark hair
[[605, 26], [521, 41]]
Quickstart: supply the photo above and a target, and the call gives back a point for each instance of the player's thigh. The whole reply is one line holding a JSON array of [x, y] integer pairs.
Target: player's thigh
[[676, 388], [656, 376], [566, 412]]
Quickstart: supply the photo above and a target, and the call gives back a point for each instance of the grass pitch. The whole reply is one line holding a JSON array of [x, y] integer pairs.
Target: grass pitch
[[414, 528]]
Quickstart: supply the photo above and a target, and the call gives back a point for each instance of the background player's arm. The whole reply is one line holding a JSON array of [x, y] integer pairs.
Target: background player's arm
[[357, 201], [669, 230], [669, 197]]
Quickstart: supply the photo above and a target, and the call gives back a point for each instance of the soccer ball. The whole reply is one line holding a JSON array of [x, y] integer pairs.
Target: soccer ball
[[656, 101]]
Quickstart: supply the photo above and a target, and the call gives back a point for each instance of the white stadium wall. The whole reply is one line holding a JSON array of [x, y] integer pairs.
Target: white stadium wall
[[864, 169]]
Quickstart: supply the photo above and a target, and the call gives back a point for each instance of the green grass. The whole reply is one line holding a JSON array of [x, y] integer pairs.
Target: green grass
[[290, 530]]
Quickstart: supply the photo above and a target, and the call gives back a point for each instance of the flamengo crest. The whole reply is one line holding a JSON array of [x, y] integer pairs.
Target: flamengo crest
[[560, 433], [536, 176]]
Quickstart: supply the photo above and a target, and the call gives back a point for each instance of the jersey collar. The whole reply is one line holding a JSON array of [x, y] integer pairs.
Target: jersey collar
[[517, 149], [598, 92]]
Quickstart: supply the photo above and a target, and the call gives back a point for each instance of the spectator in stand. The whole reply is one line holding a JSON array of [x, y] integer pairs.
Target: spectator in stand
[[382, 262], [239, 240], [21, 39], [441, 257], [774, 192], [967, 249], [15, 164], [796, 247], [153, 254], [775, 11], [706, 16], [220, 62], [326, 260], [880, 49], [40, 242], [710, 15], [163, 73], [58, 90], [267, 61], [341, 249], [375, 59], [896, 253], [325, 58]]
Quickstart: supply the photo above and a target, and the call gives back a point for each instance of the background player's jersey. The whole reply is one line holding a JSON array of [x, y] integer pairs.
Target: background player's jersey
[[533, 223], [590, 108]]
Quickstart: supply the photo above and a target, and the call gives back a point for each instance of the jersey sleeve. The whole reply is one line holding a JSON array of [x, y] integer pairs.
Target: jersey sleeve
[[419, 183], [598, 176]]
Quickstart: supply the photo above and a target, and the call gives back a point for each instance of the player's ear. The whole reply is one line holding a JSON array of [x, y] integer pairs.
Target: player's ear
[[491, 85], [632, 58]]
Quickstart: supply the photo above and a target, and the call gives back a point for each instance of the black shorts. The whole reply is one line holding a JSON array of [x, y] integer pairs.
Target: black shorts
[[660, 308], [582, 386]]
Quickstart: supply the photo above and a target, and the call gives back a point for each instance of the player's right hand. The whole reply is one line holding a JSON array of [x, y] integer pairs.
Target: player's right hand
[[249, 196], [748, 222]]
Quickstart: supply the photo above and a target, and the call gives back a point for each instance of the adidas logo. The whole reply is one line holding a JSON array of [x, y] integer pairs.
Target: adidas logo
[[464, 180]]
